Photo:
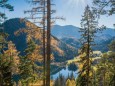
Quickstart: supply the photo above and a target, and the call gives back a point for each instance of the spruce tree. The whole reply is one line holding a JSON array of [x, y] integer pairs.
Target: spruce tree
[[88, 30]]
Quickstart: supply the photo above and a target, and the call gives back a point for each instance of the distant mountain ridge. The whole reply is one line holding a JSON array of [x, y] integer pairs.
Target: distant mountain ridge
[[73, 31], [60, 50], [65, 31], [71, 35]]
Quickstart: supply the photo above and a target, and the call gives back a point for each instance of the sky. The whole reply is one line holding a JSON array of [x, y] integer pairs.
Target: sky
[[71, 10]]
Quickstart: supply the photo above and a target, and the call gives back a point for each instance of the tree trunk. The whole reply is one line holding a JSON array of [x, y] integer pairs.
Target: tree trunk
[[44, 50], [88, 54], [48, 43]]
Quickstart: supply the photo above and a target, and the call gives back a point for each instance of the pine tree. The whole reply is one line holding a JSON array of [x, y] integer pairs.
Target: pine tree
[[88, 30]]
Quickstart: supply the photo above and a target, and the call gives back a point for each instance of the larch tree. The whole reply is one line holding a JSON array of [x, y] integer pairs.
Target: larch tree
[[11, 63], [88, 29], [69, 83], [13, 55], [3, 5]]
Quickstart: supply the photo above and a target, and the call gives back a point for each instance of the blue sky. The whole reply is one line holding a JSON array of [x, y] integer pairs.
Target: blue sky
[[71, 10]]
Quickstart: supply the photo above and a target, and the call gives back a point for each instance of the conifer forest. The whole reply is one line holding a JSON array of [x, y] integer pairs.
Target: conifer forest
[[57, 42]]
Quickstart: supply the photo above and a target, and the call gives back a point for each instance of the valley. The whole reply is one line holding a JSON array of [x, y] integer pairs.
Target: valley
[[57, 42]]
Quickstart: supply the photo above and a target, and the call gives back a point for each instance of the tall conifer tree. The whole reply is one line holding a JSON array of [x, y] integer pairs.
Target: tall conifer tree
[[88, 30]]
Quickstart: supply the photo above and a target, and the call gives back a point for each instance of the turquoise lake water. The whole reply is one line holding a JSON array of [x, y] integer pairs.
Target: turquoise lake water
[[65, 73]]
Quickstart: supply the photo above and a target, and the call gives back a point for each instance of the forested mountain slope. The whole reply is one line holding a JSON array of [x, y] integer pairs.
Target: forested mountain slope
[[60, 50]]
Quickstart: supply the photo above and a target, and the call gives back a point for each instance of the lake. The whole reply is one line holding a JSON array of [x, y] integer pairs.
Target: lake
[[64, 72]]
